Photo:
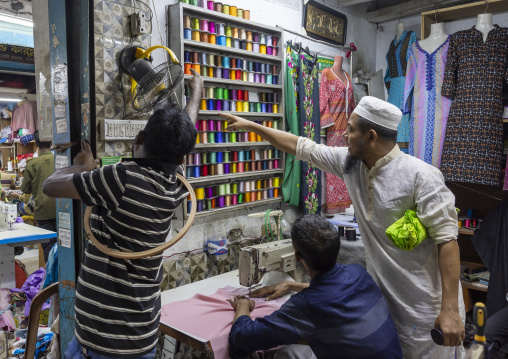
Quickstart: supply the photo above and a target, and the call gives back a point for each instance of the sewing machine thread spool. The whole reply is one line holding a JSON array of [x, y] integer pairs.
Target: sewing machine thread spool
[[232, 75], [212, 39], [200, 192], [467, 223], [240, 198], [218, 6], [229, 42], [221, 40], [210, 137], [196, 171], [211, 27], [233, 11], [210, 4], [203, 25], [212, 157], [276, 182], [195, 24], [350, 233], [248, 46], [246, 14], [204, 170], [189, 171], [226, 105], [225, 9], [225, 73], [262, 49]]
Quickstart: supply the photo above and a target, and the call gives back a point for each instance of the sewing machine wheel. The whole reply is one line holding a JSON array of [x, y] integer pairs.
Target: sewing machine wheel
[[150, 252]]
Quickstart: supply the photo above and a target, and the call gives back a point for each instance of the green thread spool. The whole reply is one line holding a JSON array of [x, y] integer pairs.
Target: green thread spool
[[232, 137], [222, 190], [228, 188], [219, 93], [252, 107], [213, 157], [234, 187], [240, 198], [226, 157], [276, 125], [211, 138], [258, 106], [226, 94], [195, 22]]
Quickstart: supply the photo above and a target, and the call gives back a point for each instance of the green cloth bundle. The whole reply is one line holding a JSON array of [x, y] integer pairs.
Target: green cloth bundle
[[407, 232]]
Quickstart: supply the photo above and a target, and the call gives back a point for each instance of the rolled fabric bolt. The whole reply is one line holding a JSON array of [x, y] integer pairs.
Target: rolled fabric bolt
[[195, 24], [189, 171], [246, 14], [187, 67], [196, 35], [196, 171], [262, 49], [228, 42], [228, 31], [202, 107], [218, 6], [203, 25], [212, 39], [225, 9]]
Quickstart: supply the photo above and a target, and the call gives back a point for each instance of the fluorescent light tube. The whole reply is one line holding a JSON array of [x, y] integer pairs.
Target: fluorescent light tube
[[16, 20]]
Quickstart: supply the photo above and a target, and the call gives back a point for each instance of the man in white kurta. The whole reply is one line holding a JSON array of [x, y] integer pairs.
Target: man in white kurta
[[383, 184]]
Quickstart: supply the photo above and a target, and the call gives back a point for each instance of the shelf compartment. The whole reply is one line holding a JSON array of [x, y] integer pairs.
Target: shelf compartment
[[236, 83], [234, 177], [188, 44], [474, 285], [238, 206]]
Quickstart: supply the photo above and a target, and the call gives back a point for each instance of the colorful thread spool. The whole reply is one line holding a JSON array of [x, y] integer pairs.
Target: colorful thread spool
[[255, 47], [225, 9], [187, 34], [246, 14], [204, 37], [211, 27], [195, 24], [233, 11], [239, 13], [196, 35], [187, 67], [203, 25], [218, 6], [262, 49], [212, 39], [210, 4], [221, 40]]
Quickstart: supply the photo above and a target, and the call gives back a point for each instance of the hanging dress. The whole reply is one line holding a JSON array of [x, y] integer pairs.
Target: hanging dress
[[336, 104], [395, 80], [475, 71], [291, 183], [309, 127], [428, 108]]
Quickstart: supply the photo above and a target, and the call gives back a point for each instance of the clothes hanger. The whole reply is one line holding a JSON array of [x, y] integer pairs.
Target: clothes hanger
[[486, 7]]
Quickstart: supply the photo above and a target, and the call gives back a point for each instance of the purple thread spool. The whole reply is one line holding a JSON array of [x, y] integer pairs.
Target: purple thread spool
[[209, 192], [255, 47], [269, 108], [200, 205], [221, 201], [218, 105], [197, 159], [211, 125], [234, 94], [211, 27], [226, 105], [225, 73], [196, 171], [257, 78], [226, 168], [269, 50], [210, 4], [245, 137], [255, 37], [262, 78], [187, 34], [203, 25]]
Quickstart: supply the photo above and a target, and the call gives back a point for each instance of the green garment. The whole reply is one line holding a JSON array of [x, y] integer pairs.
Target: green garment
[[36, 171], [407, 232], [291, 183]]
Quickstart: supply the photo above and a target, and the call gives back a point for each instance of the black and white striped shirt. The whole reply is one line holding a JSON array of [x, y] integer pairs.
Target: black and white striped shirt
[[118, 301]]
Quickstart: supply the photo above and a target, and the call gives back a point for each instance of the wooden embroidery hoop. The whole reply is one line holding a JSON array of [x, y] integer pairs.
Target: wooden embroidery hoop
[[150, 252]]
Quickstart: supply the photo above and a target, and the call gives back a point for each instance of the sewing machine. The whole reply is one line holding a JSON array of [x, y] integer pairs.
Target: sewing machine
[[255, 261], [8, 215]]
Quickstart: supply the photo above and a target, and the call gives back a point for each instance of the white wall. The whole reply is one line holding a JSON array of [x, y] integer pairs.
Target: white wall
[[386, 32], [359, 31]]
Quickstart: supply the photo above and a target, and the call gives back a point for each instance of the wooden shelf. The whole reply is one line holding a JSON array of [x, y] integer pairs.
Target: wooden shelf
[[209, 113], [238, 206], [468, 231], [234, 177], [474, 285], [188, 44], [208, 14], [236, 145], [236, 83]]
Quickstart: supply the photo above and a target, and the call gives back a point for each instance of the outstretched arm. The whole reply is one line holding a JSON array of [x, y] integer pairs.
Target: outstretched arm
[[284, 141], [196, 86], [278, 290]]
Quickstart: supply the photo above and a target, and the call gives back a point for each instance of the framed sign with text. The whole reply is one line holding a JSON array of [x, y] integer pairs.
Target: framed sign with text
[[324, 23]]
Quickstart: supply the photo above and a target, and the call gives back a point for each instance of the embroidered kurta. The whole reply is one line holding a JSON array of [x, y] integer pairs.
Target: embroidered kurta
[[308, 93], [475, 71], [429, 109], [395, 80], [291, 183], [335, 108], [410, 281]]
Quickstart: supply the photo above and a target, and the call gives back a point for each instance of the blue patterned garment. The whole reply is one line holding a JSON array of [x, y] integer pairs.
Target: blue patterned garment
[[395, 80]]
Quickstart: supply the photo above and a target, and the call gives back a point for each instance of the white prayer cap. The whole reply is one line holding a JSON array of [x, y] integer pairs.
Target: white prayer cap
[[378, 111]]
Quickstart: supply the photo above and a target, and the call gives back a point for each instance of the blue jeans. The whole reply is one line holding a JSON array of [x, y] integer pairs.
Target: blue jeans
[[74, 351]]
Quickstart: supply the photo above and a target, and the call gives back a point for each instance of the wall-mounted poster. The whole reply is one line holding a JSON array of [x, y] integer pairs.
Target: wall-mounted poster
[[324, 23]]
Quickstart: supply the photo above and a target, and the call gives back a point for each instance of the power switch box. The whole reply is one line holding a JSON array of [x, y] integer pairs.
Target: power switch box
[[112, 130], [138, 23]]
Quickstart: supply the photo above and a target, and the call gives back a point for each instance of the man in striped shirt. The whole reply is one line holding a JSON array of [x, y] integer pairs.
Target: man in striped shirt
[[118, 301]]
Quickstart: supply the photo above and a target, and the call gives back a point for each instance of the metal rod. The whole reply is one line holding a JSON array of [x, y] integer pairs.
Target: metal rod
[[340, 47]]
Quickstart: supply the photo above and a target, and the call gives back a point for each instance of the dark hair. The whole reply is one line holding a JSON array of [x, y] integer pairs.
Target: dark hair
[[39, 143], [169, 134], [385, 133], [317, 241]]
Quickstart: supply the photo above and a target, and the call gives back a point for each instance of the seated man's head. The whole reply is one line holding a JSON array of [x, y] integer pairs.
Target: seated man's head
[[168, 136], [41, 144], [316, 242]]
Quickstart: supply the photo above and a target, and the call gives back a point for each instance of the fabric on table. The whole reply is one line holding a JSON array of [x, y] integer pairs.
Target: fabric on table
[[410, 281], [407, 232], [429, 109], [291, 182], [474, 75], [335, 109], [211, 316], [395, 80], [308, 90], [25, 116]]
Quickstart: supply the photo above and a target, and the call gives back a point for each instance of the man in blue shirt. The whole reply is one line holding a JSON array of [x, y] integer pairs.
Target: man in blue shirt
[[340, 314]]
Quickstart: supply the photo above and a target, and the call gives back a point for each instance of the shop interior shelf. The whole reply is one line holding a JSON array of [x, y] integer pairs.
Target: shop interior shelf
[[191, 44], [238, 207], [212, 15], [233, 177], [237, 83], [241, 114], [235, 145]]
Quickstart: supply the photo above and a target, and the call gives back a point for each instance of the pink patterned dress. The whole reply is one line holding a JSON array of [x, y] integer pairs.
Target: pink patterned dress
[[335, 110]]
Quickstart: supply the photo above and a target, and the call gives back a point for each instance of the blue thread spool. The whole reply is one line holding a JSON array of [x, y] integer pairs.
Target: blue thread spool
[[241, 156], [221, 40], [189, 171], [226, 105], [187, 34], [250, 65], [210, 105], [257, 67], [187, 56], [263, 107], [270, 193], [268, 78], [220, 157], [269, 68], [264, 165], [252, 107], [202, 59], [200, 205], [276, 153], [275, 80], [225, 73], [247, 156], [236, 43], [225, 62], [262, 68], [196, 171], [239, 63], [226, 137], [470, 213], [189, 206], [219, 138]]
